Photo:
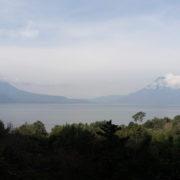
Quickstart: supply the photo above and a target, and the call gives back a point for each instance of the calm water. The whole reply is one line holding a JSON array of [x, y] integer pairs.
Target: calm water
[[52, 114]]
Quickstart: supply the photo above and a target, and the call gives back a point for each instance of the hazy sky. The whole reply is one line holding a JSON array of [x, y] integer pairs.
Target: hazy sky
[[87, 48]]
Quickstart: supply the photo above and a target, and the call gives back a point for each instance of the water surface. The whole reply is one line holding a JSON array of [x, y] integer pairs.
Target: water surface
[[53, 114]]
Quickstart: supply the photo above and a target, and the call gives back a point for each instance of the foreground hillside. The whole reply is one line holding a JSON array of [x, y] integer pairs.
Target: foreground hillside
[[100, 150]]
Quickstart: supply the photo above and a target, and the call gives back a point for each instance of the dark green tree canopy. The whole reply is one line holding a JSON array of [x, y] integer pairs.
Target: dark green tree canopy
[[101, 150], [108, 129], [36, 129]]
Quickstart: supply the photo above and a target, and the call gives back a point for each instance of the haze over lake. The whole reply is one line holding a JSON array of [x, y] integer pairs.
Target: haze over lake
[[53, 114]]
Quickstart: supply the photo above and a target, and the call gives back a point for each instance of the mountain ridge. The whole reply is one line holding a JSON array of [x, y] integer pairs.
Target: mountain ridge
[[165, 90], [11, 94]]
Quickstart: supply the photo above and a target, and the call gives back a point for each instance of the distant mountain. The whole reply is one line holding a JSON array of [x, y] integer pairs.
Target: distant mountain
[[163, 91], [10, 94]]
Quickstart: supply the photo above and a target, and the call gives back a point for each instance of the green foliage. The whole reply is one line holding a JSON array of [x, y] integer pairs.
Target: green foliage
[[108, 130], [138, 117], [176, 121], [131, 124], [39, 129], [2, 129], [56, 130], [155, 123], [36, 129], [72, 136], [100, 150], [5, 130]]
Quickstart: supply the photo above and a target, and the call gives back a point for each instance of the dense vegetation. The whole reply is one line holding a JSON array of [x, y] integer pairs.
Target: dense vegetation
[[97, 151]]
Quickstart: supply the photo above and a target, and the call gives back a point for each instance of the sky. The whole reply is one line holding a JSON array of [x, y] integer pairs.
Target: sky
[[88, 48]]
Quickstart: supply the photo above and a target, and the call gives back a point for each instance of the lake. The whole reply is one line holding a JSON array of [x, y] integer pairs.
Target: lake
[[53, 114]]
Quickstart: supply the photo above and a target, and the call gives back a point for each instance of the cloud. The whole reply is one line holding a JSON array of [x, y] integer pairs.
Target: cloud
[[29, 31], [3, 78], [86, 47], [172, 80], [25, 32], [105, 68]]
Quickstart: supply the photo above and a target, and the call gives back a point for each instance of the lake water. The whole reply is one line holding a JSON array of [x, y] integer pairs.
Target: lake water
[[53, 114]]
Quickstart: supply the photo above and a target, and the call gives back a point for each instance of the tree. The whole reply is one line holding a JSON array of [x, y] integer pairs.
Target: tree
[[138, 117], [2, 129], [39, 129], [36, 129], [108, 129]]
